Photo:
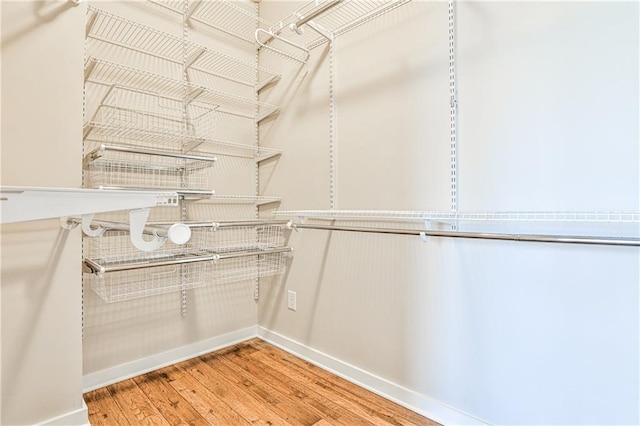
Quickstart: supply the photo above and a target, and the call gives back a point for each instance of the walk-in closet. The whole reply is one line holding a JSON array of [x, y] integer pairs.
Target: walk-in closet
[[325, 212]]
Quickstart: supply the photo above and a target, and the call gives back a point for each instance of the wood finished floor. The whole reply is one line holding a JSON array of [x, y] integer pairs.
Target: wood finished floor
[[249, 383]]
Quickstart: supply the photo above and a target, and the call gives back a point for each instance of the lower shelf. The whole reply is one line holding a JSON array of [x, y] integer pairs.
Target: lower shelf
[[117, 281]]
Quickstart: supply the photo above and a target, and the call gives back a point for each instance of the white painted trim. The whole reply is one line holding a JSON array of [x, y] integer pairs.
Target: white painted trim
[[422, 404], [79, 417], [131, 369]]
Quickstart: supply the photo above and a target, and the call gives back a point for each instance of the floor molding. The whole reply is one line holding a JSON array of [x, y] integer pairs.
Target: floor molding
[[131, 369], [428, 407]]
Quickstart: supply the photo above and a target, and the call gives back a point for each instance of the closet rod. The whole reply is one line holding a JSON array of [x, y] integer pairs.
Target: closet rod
[[235, 223], [161, 229], [95, 267], [608, 241], [99, 152]]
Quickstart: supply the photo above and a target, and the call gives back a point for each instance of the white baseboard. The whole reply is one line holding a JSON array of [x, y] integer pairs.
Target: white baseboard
[[131, 369], [428, 407], [79, 417]]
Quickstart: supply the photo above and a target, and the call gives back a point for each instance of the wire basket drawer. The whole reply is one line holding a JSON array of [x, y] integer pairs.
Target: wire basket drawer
[[137, 170], [145, 118], [246, 268], [126, 285], [238, 238], [119, 286]]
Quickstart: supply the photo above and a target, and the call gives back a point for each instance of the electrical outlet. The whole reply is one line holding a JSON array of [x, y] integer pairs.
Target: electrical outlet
[[291, 300]]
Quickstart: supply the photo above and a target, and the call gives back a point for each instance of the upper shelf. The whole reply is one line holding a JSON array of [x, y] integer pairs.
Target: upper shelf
[[111, 74], [318, 20], [237, 18], [24, 203], [111, 28]]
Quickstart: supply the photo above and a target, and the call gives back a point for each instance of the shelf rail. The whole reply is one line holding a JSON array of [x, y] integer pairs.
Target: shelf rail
[[424, 233]]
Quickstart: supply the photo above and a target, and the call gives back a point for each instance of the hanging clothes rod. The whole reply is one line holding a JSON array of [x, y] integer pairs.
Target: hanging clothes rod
[[608, 241], [99, 152], [235, 223], [161, 228], [94, 267]]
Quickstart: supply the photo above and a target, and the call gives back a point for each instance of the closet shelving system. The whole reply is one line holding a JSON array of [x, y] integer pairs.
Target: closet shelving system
[[321, 21], [152, 130]]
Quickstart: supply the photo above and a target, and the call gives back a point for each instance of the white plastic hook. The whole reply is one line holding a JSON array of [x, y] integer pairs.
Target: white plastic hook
[[137, 222], [86, 226]]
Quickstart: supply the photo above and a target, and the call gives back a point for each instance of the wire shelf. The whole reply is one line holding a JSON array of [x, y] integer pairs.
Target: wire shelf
[[100, 71], [237, 18], [233, 149], [243, 199], [119, 31], [333, 16], [237, 238], [124, 285], [124, 111], [567, 216]]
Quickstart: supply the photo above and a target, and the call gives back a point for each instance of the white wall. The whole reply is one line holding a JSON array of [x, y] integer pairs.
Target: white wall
[[42, 53], [509, 333]]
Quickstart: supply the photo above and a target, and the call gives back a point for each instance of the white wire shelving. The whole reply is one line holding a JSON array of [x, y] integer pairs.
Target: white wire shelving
[[107, 73], [150, 130], [110, 28], [24, 203], [318, 22], [550, 216]]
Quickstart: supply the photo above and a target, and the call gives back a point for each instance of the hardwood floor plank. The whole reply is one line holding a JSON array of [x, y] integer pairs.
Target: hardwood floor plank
[[214, 410], [173, 407], [326, 389], [290, 410], [135, 405], [244, 403], [370, 402], [103, 409], [299, 391]]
